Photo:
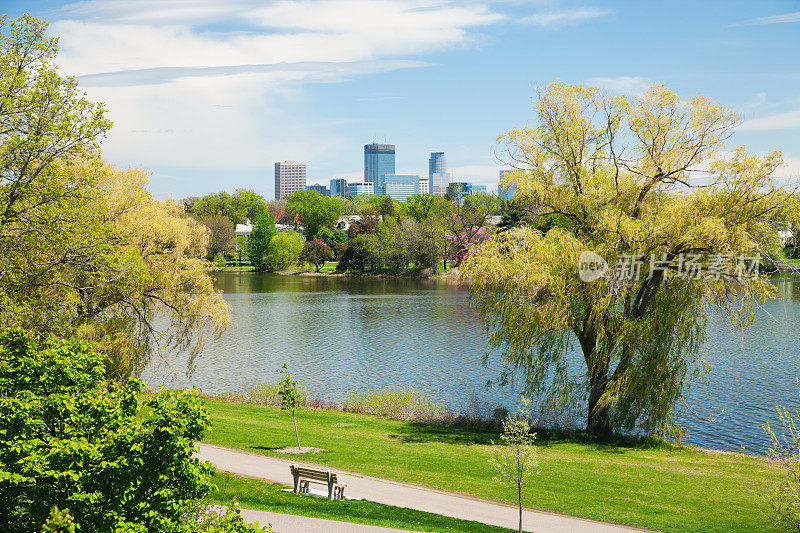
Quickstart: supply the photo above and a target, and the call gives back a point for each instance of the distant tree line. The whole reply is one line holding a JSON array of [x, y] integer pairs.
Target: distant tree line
[[382, 235]]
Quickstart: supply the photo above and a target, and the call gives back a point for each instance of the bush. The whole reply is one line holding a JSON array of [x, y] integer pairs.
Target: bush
[[284, 250], [784, 501], [72, 439], [219, 260], [263, 393], [403, 404]]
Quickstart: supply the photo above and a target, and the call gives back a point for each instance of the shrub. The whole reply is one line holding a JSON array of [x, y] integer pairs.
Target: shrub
[[784, 501], [72, 439], [219, 260], [403, 404], [263, 393]]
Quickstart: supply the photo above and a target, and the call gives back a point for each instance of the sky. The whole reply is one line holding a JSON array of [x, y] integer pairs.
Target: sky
[[207, 95]]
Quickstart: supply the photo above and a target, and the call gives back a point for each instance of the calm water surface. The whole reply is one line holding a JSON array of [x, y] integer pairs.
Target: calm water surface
[[339, 335]]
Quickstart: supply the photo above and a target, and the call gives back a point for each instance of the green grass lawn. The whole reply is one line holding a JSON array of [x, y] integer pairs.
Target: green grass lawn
[[253, 494], [657, 487]]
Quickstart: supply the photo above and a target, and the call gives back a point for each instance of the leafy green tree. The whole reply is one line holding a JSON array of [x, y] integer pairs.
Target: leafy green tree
[[365, 253], [221, 234], [332, 237], [84, 248], [421, 207], [239, 207], [258, 243], [71, 439], [314, 210], [316, 252], [291, 397], [624, 174], [284, 250], [514, 458], [250, 203]]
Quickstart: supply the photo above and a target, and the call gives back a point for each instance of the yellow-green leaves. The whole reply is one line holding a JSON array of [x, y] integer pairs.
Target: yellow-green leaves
[[640, 182]]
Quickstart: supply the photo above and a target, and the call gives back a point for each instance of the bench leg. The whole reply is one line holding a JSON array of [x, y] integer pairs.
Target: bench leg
[[304, 489], [338, 493]]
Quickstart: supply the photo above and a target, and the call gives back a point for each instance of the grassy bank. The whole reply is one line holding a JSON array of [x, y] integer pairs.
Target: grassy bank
[[652, 487], [254, 494]]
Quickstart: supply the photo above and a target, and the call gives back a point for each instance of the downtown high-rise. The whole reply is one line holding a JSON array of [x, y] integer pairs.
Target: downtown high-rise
[[438, 177], [378, 162], [290, 176]]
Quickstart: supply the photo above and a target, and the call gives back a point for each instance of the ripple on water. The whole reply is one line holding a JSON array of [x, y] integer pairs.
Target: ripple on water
[[382, 333]]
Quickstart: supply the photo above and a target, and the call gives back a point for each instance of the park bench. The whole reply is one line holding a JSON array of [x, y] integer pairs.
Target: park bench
[[303, 476]]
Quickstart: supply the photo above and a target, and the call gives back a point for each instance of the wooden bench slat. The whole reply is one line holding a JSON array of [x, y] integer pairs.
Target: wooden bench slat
[[321, 477]]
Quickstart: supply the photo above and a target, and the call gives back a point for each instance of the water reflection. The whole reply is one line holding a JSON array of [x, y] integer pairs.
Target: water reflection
[[422, 333]]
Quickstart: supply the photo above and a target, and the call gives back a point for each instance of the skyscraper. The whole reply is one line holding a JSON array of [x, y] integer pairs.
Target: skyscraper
[[437, 164], [506, 191], [378, 161], [338, 187], [438, 183], [290, 176]]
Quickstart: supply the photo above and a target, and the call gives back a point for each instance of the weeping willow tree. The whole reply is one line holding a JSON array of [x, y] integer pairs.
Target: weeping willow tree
[[84, 248], [677, 224]]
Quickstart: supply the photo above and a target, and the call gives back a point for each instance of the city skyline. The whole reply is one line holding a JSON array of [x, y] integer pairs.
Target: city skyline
[[208, 95]]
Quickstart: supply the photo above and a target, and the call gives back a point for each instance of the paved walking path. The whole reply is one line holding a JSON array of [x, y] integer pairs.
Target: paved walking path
[[405, 495]]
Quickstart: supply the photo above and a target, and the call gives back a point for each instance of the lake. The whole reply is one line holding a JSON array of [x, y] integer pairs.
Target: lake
[[342, 334]]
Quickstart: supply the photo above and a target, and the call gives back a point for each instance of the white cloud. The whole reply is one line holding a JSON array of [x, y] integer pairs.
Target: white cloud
[[487, 175], [777, 19], [789, 120], [552, 18], [790, 169], [629, 85], [217, 84]]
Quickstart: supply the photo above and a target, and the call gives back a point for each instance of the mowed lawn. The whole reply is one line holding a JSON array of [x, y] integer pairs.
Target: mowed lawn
[[657, 487], [264, 496]]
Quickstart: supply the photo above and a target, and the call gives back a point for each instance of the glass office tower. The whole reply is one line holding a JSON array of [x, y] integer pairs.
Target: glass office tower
[[437, 164], [378, 161], [338, 187], [505, 190]]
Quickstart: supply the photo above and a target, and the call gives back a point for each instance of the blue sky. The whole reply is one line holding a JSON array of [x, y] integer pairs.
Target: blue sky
[[207, 95]]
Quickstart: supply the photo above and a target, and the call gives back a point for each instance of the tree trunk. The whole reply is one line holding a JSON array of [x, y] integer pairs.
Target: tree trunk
[[598, 421], [519, 495], [296, 434]]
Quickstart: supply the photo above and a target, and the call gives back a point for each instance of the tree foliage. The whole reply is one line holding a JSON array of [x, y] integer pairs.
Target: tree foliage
[[316, 252], [258, 243], [641, 179], [291, 397], [221, 234], [783, 502], [314, 210], [71, 439], [239, 207], [84, 248], [514, 459], [284, 250]]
